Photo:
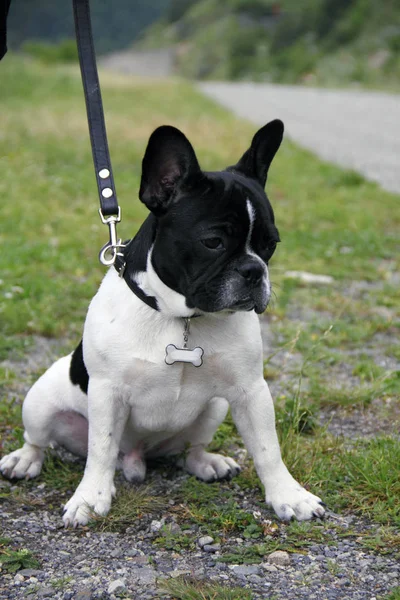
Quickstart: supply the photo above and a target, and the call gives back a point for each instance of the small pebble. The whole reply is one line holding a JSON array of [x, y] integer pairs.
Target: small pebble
[[205, 541], [116, 586], [279, 558], [83, 595], [269, 568], [243, 570], [45, 592], [179, 573], [30, 572], [212, 547], [155, 526]]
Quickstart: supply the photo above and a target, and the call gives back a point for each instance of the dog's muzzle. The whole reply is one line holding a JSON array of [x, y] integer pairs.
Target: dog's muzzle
[[255, 285]]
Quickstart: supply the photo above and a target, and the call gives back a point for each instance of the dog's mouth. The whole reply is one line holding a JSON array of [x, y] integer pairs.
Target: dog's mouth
[[248, 304], [228, 299], [245, 304]]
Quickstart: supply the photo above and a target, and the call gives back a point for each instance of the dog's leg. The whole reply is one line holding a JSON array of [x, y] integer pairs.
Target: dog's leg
[[26, 462], [254, 416], [206, 465], [107, 418], [38, 415], [44, 425], [53, 411]]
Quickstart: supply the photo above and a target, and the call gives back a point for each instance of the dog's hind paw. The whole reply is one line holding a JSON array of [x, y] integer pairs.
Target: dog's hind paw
[[24, 463], [210, 467]]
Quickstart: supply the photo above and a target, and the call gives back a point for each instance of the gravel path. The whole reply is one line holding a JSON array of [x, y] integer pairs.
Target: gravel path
[[357, 130], [84, 564]]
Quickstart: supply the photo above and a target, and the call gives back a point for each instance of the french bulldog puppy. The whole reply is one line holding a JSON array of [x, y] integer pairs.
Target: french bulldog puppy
[[172, 339]]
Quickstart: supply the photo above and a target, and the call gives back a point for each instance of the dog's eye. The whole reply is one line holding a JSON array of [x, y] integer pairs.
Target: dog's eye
[[268, 252], [214, 243]]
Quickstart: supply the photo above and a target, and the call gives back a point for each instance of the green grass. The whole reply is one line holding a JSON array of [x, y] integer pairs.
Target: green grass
[[178, 542], [331, 222], [60, 584], [394, 594], [189, 589], [10, 424], [129, 504], [362, 477], [61, 474], [216, 509], [294, 537], [51, 230], [385, 540]]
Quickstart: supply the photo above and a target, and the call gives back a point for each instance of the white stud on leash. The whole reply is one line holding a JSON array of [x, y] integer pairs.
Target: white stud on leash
[[185, 354], [174, 354]]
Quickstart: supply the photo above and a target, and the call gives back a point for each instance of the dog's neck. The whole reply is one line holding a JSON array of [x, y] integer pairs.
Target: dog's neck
[[169, 302], [137, 269]]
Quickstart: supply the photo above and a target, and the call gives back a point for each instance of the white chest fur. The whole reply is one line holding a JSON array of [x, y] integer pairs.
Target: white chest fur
[[125, 341]]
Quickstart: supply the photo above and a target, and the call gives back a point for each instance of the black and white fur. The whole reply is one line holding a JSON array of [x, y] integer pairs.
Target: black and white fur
[[203, 251]]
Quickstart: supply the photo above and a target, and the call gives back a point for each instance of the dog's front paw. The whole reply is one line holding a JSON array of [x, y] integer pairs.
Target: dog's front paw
[[87, 502], [210, 467], [293, 501]]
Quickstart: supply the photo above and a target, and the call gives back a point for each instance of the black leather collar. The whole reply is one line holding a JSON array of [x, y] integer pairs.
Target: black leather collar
[[120, 265]]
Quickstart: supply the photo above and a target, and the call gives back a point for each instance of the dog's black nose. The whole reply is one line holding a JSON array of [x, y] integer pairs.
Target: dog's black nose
[[252, 272]]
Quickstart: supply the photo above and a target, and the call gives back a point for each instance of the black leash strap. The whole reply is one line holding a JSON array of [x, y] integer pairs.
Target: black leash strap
[[4, 8], [110, 212]]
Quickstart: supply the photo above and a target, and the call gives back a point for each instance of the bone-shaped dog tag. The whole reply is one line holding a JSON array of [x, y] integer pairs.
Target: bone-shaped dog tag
[[174, 354]]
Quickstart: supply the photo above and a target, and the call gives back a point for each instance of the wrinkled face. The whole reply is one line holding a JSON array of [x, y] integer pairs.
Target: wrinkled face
[[213, 245], [215, 232]]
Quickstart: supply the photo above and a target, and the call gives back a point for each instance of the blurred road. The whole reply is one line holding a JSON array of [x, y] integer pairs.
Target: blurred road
[[357, 130], [143, 63]]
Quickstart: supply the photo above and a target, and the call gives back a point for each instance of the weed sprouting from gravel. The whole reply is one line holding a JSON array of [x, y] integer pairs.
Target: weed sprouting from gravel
[[190, 589], [12, 561]]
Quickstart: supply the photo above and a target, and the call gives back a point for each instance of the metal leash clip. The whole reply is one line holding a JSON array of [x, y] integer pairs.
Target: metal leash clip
[[110, 251]]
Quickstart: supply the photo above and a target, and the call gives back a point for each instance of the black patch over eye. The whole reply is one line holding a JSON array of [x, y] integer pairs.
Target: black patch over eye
[[214, 243]]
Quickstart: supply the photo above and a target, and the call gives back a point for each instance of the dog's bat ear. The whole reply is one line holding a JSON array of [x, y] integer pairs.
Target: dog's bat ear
[[169, 162], [256, 160]]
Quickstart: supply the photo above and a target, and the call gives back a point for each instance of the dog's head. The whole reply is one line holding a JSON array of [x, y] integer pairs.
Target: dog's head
[[215, 230]]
